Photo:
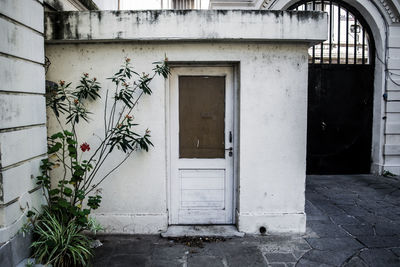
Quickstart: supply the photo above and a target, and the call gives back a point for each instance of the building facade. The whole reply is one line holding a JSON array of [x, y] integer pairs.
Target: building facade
[[200, 180], [269, 123]]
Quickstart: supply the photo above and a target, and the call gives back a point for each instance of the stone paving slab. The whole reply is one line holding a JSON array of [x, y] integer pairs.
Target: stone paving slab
[[333, 258], [352, 221]]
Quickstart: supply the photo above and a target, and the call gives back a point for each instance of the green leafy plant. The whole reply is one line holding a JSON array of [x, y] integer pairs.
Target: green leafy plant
[[60, 244], [76, 194], [30, 263], [26, 229], [94, 226], [387, 173], [73, 194]]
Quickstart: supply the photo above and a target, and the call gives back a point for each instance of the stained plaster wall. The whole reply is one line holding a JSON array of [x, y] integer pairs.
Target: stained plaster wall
[[272, 108]]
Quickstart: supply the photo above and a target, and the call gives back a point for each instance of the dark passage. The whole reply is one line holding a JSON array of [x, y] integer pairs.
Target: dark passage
[[340, 101]]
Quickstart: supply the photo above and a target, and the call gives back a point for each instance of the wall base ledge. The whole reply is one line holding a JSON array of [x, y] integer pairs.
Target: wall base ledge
[[133, 223], [275, 223]]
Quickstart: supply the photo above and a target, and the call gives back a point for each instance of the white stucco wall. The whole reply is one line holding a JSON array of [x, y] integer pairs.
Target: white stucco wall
[[272, 108]]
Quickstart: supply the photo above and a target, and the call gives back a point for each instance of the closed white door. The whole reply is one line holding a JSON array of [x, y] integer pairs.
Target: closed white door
[[201, 142]]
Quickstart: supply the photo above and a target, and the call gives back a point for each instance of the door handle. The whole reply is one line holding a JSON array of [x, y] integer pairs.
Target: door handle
[[230, 151]]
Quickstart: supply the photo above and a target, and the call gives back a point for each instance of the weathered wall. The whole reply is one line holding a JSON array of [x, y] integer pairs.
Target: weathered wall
[[273, 82], [185, 25], [22, 119], [272, 131]]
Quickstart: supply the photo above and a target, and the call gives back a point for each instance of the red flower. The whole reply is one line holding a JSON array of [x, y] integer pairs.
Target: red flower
[[62, 83], [85, 147]]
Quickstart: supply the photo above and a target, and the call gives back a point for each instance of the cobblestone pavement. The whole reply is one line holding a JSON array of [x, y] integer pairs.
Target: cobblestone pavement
[[352, 220]]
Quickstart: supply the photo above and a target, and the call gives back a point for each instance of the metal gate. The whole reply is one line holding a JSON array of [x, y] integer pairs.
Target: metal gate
[[340, 92]]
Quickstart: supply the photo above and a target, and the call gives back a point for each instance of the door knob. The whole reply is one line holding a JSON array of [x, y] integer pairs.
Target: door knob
[[230, 151]]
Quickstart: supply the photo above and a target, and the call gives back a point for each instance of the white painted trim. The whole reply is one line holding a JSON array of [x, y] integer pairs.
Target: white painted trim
[[215, 70], [236, 139]]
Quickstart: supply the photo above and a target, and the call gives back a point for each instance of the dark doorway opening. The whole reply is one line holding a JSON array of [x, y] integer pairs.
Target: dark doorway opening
[[340, 92]]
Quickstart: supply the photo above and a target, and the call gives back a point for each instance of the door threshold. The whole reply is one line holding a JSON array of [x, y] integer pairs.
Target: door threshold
[[202, 230]]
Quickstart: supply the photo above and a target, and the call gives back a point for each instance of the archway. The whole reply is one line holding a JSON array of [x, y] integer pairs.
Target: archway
[[340, 94], [378, 21]]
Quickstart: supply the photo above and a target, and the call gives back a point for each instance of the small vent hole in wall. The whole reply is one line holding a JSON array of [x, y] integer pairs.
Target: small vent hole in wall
[[263, 230]]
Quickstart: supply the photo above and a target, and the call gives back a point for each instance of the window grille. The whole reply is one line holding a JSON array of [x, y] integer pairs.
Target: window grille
[[349, 36], [183, 4]]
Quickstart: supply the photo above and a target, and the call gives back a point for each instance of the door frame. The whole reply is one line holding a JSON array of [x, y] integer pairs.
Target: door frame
[[234, 70]]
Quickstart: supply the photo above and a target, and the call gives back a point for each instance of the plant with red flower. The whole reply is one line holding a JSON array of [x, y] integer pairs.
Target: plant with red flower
[[85, 147], [76, 192]]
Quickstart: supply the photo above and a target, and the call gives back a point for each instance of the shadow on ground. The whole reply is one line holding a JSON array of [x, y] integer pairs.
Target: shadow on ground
[[352, 220]]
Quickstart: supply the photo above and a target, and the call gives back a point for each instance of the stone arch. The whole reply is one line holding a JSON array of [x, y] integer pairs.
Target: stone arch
[[389, 8], [378, 15]]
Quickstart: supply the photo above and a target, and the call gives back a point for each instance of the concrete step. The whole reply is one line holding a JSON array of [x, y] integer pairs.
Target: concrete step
[[202, 230]]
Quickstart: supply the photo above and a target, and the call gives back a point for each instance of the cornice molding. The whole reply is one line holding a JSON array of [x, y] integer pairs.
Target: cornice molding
[[391, 10], [266, 4]]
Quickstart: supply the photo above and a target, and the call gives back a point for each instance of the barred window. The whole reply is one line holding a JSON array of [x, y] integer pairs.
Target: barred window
[[349, 37], [183, 4]]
